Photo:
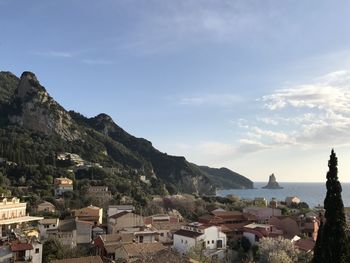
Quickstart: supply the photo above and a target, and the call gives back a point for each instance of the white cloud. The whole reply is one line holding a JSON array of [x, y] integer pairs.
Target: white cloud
[[251, 146], [307, 115]]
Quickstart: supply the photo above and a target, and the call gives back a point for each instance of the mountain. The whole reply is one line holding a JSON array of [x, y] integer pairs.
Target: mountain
[[35, 128], [224, 178], [272, 184]]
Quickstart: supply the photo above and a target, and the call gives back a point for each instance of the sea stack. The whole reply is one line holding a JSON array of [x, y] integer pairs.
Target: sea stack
[[272, 184]]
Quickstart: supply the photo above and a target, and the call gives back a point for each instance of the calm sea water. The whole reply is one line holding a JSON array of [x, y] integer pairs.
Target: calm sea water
[[311, 193]]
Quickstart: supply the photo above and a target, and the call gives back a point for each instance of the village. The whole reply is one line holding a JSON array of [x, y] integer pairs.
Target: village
[[122, 234]]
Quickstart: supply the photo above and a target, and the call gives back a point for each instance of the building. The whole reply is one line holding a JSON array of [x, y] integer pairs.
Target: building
[[90, 213], [27, 252], [63, 185], [98, 231], [254, 232], [123, 220], [166, 231], [263, 214], [13, 215], [290, 200], [306, 245], [71, 157], [72, 232], [90, 259], [291, 226], [160, 218], [138, 251], [106, 245], [99, 192], [46, 207], [231, 222], [116, 209], [210, 237], [145, 236], [47, 224], [21, 248]]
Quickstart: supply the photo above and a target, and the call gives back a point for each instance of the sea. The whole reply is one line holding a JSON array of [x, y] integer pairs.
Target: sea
[[311, 193]]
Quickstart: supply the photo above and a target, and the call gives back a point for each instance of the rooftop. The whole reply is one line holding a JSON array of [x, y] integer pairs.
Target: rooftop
[[90, 259], [253, 226], [49, 221], [187, 233], [21, 247], [141, 249], [18, 220], [119, 214]]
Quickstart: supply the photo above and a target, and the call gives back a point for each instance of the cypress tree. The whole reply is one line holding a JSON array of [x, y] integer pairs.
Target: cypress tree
[[331, 245]]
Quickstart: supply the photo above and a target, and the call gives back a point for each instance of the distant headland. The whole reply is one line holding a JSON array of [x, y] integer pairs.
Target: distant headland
[[272, 184]]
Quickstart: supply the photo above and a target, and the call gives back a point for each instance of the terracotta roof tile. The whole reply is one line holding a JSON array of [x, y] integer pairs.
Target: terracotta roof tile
[[21, 247], [140, 249]]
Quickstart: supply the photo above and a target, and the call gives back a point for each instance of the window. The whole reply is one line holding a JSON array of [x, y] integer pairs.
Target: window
[[208, 242], [212, 241], [161, 234], [219, 244], [182, 240], [37, 251], [185, 241]]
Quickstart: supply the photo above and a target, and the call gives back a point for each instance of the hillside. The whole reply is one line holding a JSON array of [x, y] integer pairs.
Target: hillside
[[35, 128], [224, 178]]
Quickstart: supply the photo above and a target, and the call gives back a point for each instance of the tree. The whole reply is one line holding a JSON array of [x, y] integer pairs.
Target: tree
[[331, 244], [277, 250], [54, 249]]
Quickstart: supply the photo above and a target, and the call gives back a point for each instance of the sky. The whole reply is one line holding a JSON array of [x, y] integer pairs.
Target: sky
[[259, 87]]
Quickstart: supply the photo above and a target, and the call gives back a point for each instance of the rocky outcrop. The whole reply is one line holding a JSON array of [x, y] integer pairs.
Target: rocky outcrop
[[272, 184], [37, 111]]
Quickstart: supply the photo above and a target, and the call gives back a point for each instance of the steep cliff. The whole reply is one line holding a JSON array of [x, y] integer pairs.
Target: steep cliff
[[35, 127]]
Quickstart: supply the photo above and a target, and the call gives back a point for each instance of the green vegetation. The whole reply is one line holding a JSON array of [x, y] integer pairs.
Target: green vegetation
[[54, 249], [224, 178], [99, 140], [331, 244]]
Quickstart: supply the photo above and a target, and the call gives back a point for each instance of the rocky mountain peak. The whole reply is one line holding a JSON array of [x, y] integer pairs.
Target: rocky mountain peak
[[29, 85], [103, 117], [272, 184], [40, 112]]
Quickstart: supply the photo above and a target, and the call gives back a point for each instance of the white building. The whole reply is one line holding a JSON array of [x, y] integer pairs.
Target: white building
[[292, 200], [211, 238], [27, 252], [254, 232], [13, 214], [47, 224], [63, 185]]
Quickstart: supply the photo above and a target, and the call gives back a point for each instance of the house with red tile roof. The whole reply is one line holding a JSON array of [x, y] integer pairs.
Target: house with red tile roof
[[231, 222], [254, 232], [293, 225]]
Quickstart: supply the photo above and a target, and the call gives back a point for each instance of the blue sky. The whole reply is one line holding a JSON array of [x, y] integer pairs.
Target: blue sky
[[256, 86]]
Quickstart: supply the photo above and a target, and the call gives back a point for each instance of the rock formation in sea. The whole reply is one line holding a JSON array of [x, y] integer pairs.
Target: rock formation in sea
[[272, 184]]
